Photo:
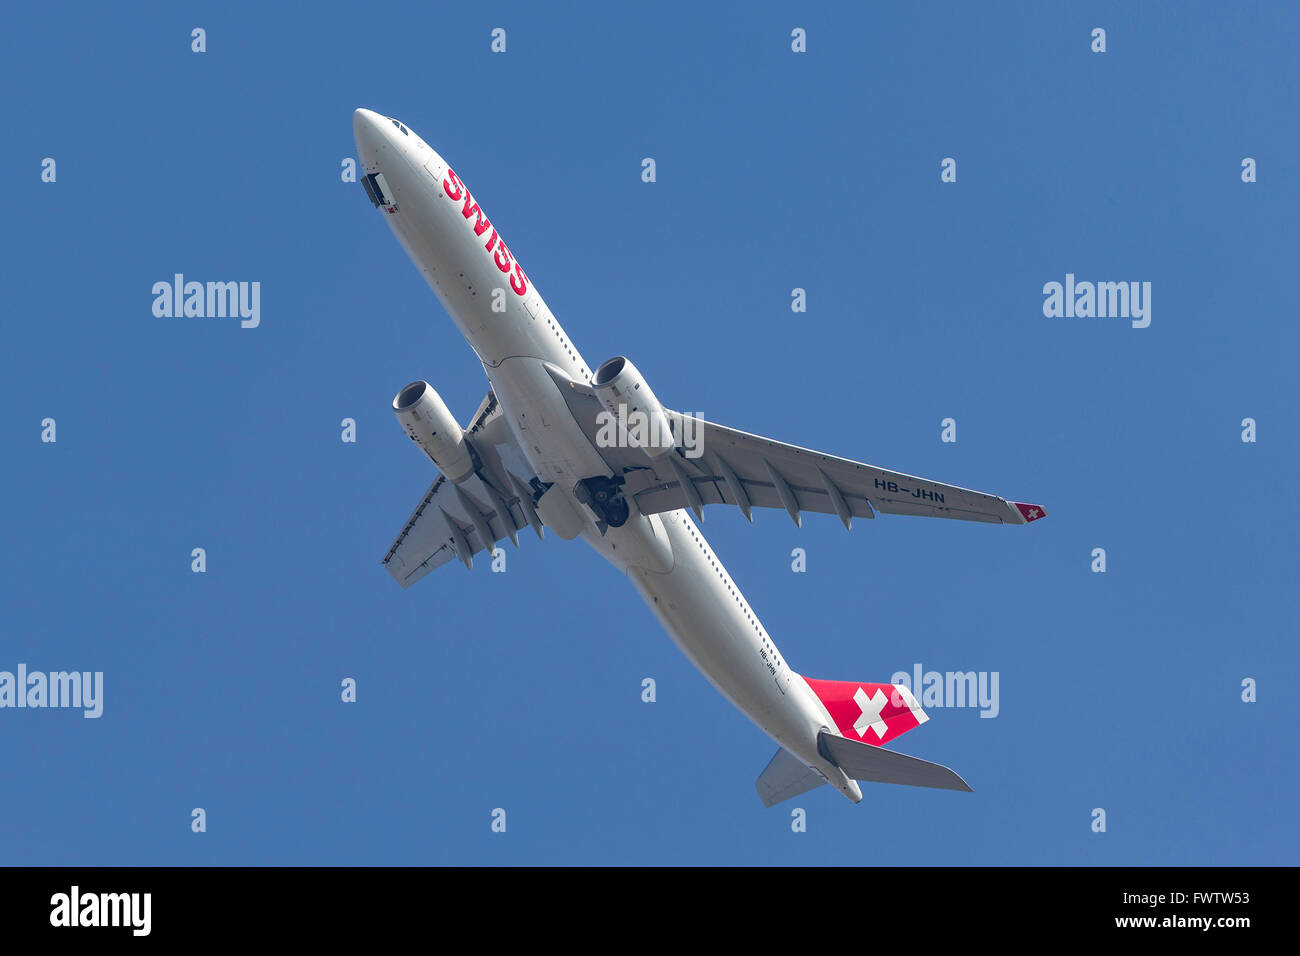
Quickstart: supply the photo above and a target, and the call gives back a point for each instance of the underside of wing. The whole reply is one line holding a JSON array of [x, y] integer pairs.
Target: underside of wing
[[424, 543], [735, 467], [460, 520], [714, 464]]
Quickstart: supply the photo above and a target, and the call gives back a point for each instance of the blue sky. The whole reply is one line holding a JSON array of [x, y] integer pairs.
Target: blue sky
[[775, 170]]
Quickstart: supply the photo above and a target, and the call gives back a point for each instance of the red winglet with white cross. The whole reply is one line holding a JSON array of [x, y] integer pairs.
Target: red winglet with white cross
[[1030, 512]]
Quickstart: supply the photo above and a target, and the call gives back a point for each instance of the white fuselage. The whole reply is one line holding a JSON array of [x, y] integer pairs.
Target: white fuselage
[[499, 312]]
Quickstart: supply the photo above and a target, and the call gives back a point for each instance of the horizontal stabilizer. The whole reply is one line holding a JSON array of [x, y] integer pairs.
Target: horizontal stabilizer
[[868, 762], [786, 776]]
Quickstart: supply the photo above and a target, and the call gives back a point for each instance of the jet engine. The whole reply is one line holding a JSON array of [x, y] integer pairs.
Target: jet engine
[[427, 420], [625, 394]]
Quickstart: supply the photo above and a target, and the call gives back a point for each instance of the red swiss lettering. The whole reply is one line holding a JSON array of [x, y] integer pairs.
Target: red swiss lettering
[[451, 185], [502, 257], [481, 224]]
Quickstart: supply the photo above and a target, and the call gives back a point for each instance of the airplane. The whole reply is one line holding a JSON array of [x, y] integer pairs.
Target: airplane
[[593, 454]]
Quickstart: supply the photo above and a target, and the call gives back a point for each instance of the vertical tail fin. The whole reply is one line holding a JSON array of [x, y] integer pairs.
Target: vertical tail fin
[[872, 713]]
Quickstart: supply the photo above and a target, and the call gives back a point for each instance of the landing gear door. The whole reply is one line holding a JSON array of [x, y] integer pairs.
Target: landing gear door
[[376, 187]]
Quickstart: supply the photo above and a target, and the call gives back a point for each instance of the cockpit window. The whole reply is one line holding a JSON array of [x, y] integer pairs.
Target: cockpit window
[[401, 127]]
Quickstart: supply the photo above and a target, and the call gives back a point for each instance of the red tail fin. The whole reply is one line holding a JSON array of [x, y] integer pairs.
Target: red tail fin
[[872, 713]]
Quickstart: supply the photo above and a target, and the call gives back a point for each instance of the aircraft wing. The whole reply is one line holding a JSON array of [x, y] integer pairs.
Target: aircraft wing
[[738, 468], [458, 521], [750, 471]]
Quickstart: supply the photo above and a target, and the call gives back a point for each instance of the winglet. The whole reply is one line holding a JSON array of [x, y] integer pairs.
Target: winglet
[[1028, 512]]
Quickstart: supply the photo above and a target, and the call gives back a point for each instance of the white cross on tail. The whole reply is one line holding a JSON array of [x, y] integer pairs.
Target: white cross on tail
[[871, 707]]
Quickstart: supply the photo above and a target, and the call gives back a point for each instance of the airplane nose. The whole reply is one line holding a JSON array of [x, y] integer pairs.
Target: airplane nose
[[368, 130]]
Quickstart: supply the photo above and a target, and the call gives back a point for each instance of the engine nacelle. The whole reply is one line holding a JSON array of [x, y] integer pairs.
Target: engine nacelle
[[425, 417], [626, 395], [560, 513]]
